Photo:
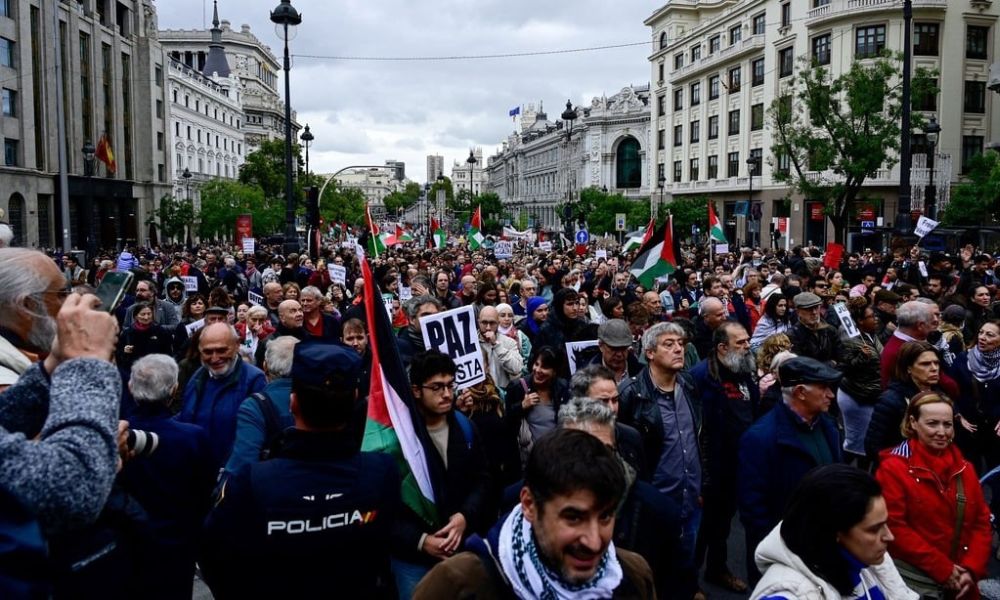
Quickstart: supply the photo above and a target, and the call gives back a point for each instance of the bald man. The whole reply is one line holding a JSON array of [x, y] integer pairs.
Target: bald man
[[291, 321], [215, 391], [502, 353], [711, 313]]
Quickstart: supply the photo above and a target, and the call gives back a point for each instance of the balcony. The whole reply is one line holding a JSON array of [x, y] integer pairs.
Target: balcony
[[725, 55], [854, 8]]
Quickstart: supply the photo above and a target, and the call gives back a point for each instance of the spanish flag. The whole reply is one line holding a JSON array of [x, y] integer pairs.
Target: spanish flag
[[105, 154]]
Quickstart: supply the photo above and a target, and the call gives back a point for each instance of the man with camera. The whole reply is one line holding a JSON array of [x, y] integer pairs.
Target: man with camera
[[316, 516]]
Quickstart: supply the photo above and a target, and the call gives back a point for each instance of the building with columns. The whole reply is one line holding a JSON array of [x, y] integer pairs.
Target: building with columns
[[464, 178], [545, 164], [113, 77], [719, 65]]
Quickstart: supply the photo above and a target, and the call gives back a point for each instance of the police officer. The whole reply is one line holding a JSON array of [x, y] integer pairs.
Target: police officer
[[319, 514]]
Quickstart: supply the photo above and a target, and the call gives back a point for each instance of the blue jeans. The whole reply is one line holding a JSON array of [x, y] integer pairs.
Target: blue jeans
[[407, 576], [686, 562]]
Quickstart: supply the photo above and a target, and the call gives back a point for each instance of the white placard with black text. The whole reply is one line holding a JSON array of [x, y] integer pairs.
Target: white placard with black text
[[454, 333]]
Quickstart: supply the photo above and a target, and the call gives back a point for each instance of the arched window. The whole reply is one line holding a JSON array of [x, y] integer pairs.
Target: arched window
[[15, 216], [628, 168], [663, 40]]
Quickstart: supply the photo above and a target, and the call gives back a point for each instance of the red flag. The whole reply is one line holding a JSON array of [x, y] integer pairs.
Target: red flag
[[105, 154], [649, 230], [477, 219], [667, 253]]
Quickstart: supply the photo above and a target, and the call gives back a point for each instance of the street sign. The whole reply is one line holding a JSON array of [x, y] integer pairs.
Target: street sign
[[867, 224], [582, 237], [619, 221]]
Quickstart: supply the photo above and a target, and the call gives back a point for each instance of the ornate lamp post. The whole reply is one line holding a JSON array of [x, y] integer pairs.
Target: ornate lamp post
[[86, 223], [931, 130], [751, 169], [568, 116], [186, 175], [307, 137], [472, 163], [284, 17]]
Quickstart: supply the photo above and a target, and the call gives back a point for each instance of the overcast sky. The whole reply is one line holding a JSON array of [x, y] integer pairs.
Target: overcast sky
[[363, 112]]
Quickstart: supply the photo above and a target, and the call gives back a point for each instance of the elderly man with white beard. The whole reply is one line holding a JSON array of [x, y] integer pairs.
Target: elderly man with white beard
[[730, 398]]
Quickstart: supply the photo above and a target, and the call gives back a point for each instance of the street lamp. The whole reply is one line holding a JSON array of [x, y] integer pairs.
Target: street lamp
[[568, 116], [307, 137], [472, 163], [283, 17], [654, 202], [751, 167], [186, 175], [931, 130], [86, 224]]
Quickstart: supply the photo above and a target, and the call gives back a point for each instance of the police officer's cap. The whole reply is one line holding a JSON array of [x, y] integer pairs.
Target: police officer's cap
[[320, 364], [802, 370]]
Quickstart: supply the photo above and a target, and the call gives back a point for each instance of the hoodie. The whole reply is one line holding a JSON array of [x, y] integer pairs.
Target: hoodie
[[166, 297], [785, 576]]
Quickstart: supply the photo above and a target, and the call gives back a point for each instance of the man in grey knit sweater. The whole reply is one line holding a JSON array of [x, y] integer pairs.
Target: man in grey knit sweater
[[58, 423]]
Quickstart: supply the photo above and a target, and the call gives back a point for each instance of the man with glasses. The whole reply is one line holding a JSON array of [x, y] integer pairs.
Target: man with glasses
[[528, 289], [812, 336], [457, 463], [660, 402], [163, 313], [501, 352]]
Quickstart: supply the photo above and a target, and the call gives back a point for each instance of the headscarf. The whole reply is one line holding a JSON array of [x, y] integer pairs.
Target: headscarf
[[533, 303], [511, 331], [984, 366]]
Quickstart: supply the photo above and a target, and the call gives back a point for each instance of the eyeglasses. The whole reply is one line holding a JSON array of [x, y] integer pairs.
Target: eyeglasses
[[489, 323], [63, 293], [437, 388]]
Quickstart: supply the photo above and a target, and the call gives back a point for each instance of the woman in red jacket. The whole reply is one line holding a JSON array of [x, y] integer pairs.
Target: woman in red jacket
[[941, 543]]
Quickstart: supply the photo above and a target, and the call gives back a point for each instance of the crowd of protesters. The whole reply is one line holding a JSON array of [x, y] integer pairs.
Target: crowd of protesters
[[843, 412]]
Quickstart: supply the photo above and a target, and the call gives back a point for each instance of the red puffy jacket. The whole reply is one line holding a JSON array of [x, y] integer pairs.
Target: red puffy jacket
[[922, 511]]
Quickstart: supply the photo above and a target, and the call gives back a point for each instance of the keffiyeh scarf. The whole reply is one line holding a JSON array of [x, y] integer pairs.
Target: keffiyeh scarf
[[530, 579], [984, 366]]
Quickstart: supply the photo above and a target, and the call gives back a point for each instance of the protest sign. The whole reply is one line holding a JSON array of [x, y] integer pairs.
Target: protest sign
[[191, 328], [850, 328], [405, 293], [338, 274], [503, 249], [722, 248], [249, 245], [454, 333], [190, 283], [924, 226], [255, 298], [545, 246], [576, 351], [602, 253], [388, 299]]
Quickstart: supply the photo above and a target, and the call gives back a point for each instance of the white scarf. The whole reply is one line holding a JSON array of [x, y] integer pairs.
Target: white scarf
[[530, 579]]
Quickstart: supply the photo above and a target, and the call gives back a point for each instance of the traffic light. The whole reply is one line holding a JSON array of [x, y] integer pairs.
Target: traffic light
[[312, 206]]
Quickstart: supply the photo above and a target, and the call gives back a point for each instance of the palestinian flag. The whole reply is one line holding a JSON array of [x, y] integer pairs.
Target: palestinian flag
[[438, 237], [714, 225], [475, 226], [402, 235], [632, 243], [656, 257], [376, 244], [390, 426], [650, 229]]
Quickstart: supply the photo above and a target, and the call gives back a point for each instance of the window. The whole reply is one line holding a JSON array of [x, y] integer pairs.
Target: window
[[678, 99], [972, 145], [159, 109], [661, 138], [10, 152], [975, 97], [197, 105], [925, 39], [786, 61], [695, 131], [199, 136], [8, 99], [628, 167], [784, 165], [6, 53], [869, 41], [678, 135], [757, 156], [159, 140], [733, 165], [678, 60], [757, 71], [759, 23], [187, 100], [693, 169], [661, 105], [926, 101], [713, 87], [786, 14], [785, 109], [663, 40], [757, 117], [975, 41], [189, 132], [734, 122], [734, 80], [677, 171], [695, 94], [161, 173], [5, 8], [714, 43], [713, 127], [696, 53], [821, 49], [735, 34], [713, 166], [660, 79], [158, 75], [177, 129]]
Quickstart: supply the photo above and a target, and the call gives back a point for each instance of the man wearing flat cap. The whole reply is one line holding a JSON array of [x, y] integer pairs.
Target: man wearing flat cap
[[812, 336], [886, 302], [319, 513], [782, 446]]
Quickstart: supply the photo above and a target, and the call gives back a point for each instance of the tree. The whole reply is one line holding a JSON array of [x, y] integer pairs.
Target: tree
[[342, 205], [687, 211], [598, 208], [441, 184], [974, 201], [175, 216], [265, 168], [223, 200], [402, 200], [832, 133]]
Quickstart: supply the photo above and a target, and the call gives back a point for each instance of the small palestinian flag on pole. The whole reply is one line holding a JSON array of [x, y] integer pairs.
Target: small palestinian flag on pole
[[402, 235], [438, 237], [714, 225], [656, 257], [375, 244], [650, 229], [475, 227], [390, 426]]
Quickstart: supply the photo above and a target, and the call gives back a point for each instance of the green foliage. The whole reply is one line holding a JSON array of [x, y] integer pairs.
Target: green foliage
[[599, 209], [974, 201], [443, 184], [265, 168], [175, 216], [849, 125], [687, 211], [403, 199], [222, 201], [342, 204]]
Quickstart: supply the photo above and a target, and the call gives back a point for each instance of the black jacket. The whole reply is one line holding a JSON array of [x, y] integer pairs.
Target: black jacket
[[883, 428], [822, 344]]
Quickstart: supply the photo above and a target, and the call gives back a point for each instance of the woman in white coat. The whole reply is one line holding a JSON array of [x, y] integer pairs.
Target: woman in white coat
[[832, 543]]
